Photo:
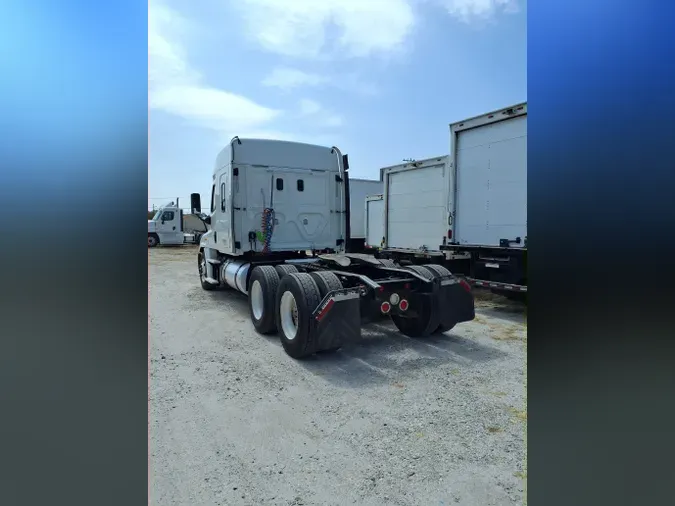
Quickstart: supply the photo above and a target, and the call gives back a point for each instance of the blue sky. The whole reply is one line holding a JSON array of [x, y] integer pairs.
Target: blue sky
[[380, 79]]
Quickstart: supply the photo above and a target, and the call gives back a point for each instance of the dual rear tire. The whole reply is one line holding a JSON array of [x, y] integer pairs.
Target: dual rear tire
[[428, 320], [283, 299]]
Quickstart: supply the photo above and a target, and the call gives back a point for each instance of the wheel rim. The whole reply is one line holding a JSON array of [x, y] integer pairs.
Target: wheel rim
[[257, 302], [151, 241], [288, 311]]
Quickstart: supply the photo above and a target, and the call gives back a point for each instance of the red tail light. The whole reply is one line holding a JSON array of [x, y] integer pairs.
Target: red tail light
[[403, 305], [385, 307]]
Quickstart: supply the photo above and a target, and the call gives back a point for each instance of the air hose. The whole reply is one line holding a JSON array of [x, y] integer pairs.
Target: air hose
[[267, 227]]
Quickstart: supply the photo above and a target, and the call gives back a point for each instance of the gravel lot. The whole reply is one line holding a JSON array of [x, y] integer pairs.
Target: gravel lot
[[393, 421]]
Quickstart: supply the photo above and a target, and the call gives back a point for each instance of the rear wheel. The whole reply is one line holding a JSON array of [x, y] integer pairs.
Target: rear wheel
[[297, 297], [283, 269], [201, 264], [439, 270], [262, 291], [428, 318], [327, 282], [422, 271]]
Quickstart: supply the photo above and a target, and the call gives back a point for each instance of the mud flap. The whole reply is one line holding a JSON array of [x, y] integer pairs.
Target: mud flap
[[455, 303], [337, 319]]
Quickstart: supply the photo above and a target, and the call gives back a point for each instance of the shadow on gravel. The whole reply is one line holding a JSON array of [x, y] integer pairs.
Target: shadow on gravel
[[385, 354]]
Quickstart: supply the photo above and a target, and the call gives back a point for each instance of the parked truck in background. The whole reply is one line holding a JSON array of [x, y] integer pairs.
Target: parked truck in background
[[374, 222], [279, 233], [170, 226], [359, 189], [467, 210]]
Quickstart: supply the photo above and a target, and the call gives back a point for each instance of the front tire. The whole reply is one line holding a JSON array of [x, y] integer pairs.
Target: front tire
[[262, 291], [297, 298], [201, 264], [153, 240]]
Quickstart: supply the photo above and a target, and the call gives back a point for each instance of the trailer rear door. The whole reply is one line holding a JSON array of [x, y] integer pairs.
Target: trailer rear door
[[374, 221], [415, 205], [491, 177]]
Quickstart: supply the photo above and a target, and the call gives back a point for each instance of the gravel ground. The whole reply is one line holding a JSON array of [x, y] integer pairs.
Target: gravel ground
[[392, 421]]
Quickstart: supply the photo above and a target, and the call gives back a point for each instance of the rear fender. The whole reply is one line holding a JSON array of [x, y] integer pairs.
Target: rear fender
[[337, 319], [455, 303]]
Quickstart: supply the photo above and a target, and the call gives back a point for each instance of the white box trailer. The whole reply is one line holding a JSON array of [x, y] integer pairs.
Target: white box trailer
[[489, 155], [359, 189], [374, 221], [469, 207], [416, 205]]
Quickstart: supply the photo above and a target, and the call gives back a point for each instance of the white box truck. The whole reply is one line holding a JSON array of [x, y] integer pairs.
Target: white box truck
[[374, 221], [359, 189], [279, 229], [469, 208]]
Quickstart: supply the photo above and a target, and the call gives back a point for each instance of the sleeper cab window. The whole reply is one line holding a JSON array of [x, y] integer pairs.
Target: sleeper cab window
[[301, 185], [280, 184]]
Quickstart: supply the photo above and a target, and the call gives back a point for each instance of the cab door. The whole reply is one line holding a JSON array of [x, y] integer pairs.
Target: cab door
[[169, 227]]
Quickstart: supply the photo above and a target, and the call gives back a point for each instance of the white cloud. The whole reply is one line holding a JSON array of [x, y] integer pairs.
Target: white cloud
[[333, 121], [468, 11], [210, 107], [301, 28], [176, 88], [319, 115], [288, 78], [309, 107], [348, 28]]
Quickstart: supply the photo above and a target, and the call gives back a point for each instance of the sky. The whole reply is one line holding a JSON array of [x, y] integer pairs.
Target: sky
[[380, 79]]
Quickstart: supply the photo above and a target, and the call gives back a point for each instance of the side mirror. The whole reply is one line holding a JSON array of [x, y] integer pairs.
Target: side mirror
[[195, 203]]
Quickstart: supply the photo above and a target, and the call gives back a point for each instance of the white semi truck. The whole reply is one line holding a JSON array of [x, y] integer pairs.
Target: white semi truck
[[280, 229], [466, 210], [169, 226]]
